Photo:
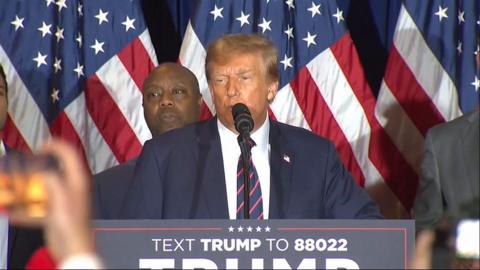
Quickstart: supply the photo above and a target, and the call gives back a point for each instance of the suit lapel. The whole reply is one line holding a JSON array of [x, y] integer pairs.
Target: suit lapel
[[211, 170], [281, 162]]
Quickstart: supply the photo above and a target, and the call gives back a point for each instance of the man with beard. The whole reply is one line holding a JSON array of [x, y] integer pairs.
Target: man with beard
[[171, 99]]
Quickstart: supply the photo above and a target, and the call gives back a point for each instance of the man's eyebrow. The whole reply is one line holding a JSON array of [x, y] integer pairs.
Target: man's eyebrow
[[219, 73], [152, 88], [243, 71], [179, 84]]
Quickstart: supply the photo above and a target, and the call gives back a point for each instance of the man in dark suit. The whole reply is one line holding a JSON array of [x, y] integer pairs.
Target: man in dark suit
[[171, 99], [450, 171], [3, 220], [192, 172], [22, 242], [450, 179]]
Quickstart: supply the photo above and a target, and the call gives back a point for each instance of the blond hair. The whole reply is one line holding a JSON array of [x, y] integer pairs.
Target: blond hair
[[225, 46]]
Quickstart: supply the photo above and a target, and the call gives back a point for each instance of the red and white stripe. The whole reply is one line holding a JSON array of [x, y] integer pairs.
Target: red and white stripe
[[27, 128], [100, 156], [412, 98], [105, 122], [192, 55], [330, 97]]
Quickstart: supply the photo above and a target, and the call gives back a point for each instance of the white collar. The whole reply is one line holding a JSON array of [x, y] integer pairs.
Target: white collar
[[260, 136]]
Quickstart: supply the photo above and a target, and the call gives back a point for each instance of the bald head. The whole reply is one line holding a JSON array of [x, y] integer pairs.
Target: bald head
[[171, 98]]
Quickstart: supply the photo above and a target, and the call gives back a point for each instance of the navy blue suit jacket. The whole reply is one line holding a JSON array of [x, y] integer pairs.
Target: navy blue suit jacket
[[180, 175], [109, 189]]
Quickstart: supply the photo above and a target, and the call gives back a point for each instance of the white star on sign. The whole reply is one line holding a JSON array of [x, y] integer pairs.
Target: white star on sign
[[79, 70], [267, 229], [240, 229], [265, 25], [98, 46], [441, 13], [315, 9], [249, 229], [339, 15], [45, 29], [310, 39], [54, 95], [289, 32], [476, 83], [59, 33], [101, 16], [57, 65], [243, 19], [289, 4], [287, 62], [230, 229], [461, 17], [40, 59], [61, 4], [216, 12], [18, 22], [258, 229], [129, 24]]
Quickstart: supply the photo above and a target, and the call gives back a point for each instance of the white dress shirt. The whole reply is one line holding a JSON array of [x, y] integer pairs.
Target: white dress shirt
[[260, 157]]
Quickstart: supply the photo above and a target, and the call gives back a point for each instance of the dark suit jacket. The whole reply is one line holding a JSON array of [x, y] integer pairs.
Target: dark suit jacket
[[180, 175], [109, 189], [450, 170]]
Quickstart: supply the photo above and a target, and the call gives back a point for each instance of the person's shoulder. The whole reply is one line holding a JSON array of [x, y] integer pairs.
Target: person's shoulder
[[119, 169], [300, 136], [453, 127], [180, 136]]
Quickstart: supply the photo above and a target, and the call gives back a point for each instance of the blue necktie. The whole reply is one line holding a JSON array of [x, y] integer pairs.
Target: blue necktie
[[255, 197]]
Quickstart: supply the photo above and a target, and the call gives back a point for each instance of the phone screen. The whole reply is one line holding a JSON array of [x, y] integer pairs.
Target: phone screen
[[23, 195], [467, 239]]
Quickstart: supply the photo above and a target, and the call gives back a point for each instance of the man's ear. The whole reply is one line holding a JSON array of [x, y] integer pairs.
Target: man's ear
[[272, 91]]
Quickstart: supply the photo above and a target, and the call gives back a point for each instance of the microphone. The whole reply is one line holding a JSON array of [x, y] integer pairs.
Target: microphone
[[243, 119], [244, 124]]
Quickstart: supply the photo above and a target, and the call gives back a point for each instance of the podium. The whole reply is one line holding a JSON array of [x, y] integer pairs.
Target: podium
[[252, 244]]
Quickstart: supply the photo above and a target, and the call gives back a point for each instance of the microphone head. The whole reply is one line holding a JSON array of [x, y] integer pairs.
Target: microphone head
[[242, 118]]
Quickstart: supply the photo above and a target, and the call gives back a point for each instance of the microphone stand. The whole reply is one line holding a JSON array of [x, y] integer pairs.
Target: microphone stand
[[243, 142]]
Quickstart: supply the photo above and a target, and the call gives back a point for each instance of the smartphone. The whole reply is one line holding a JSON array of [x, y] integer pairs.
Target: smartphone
[[467, 240], [23, 195]]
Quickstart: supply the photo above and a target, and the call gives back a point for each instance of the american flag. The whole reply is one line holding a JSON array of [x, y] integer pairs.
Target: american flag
[[431, 75], [75, 69], [322, 84]]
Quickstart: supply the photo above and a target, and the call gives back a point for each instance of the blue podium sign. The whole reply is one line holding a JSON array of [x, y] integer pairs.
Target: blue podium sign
[[251, 244]]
